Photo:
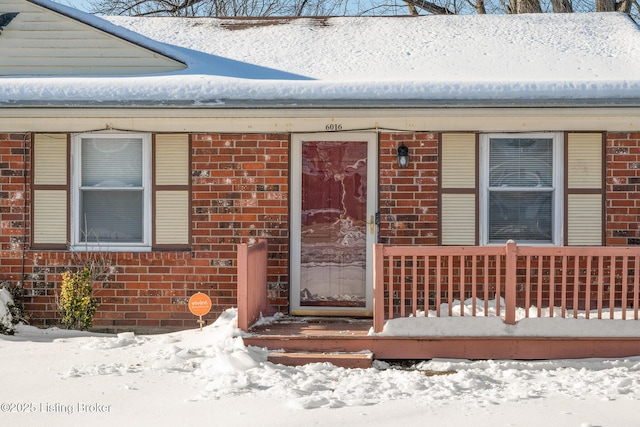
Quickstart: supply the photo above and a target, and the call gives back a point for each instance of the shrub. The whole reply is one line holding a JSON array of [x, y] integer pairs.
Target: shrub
[[77, 303], [12, 309]]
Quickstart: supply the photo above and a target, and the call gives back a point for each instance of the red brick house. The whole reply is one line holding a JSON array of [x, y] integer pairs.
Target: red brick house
[[163, 158]]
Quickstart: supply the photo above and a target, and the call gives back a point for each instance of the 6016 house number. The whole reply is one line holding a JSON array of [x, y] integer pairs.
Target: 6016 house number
[[333, 127]]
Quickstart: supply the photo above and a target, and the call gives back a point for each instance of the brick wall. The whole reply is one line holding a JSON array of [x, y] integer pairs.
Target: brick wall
[[622, 187], [239, 194], [14, 206], [409, 197]]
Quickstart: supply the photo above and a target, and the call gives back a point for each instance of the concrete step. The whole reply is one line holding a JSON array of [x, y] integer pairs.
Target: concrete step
[[343, 360]]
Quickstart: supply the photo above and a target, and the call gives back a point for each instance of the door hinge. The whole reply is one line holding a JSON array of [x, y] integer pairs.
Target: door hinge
[[374, 220]]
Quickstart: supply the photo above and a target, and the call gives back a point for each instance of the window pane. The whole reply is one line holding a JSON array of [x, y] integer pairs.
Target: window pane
[[111, 216], [517, 162], [111, 162], [520, 216]]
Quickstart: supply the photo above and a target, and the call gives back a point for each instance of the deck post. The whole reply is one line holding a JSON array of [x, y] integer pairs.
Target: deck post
[[511, 261], [378, 287], [243, 286], [252, 282]]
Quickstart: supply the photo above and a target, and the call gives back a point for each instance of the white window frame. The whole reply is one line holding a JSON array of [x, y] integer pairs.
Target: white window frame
[[558, 186], [76, 180]]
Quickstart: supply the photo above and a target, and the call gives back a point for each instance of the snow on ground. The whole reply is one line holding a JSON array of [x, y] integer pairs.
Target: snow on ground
[[55, 377]]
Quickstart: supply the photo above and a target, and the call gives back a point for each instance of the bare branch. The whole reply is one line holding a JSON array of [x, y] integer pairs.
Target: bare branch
[[562, 6], [478, 6], [625, 6], [412, 9], [605, 5], [430, 7], [258, 8]]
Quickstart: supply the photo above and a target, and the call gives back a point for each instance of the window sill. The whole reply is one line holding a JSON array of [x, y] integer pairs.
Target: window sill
[[522, 243], [108, 248]]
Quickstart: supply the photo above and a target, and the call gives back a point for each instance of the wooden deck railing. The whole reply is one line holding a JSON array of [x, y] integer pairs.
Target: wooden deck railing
[[252, 283], [532, 281]]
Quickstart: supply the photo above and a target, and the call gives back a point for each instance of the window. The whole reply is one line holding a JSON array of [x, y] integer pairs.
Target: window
[[521, 188], [111, 191]]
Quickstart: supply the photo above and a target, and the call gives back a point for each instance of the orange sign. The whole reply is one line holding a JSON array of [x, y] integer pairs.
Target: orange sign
[[199, 304]]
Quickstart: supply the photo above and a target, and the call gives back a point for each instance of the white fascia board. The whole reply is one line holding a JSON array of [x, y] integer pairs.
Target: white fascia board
[[279, 120]]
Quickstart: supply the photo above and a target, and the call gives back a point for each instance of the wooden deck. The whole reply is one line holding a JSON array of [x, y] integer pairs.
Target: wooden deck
[[330, 337], [298, 341], [558, 282]]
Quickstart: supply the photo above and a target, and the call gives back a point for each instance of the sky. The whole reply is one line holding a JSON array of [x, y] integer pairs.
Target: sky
[[78, 4]]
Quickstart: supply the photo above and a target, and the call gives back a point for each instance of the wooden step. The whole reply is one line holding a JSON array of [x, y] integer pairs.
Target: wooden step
[[343, 360]]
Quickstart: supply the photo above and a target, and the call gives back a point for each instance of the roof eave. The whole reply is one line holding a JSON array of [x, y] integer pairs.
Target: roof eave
[[323, 103]]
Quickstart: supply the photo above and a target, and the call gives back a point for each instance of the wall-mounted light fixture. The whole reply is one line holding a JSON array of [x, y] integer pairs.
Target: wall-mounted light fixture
[[403, 156]]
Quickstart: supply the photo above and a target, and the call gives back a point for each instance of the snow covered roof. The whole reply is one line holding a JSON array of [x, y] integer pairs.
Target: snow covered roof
[[533, 59]]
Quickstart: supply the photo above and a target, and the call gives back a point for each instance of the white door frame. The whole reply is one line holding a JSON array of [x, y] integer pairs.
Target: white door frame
[[295, 192]]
